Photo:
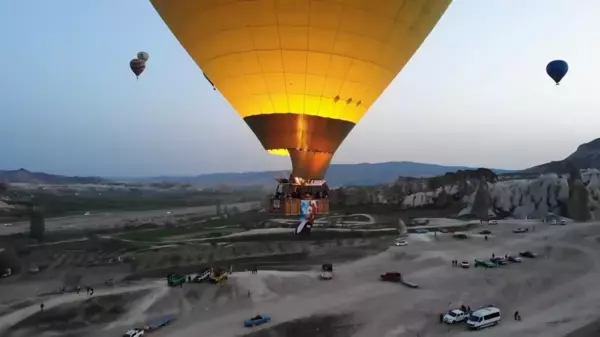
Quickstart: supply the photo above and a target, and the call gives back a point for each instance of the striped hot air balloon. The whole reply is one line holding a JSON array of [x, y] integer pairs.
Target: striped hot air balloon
[[301, 73], [137, 66]]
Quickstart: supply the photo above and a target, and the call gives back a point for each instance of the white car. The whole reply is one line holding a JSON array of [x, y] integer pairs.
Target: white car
[[465, 264], [494, 222], [455, 316], [401, 243], [134, 333]]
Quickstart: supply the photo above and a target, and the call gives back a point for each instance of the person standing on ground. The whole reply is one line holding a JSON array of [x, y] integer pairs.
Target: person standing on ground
[[78, 289], [42, 307], [517, 317], [441, 318]]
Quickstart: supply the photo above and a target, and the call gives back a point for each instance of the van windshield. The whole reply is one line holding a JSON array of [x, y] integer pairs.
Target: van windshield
[[474, 318]]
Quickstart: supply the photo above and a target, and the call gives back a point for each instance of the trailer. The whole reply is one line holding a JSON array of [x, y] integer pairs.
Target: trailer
[[409, 284]]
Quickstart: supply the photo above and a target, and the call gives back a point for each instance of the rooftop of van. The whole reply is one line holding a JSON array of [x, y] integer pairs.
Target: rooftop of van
[[485, 311]]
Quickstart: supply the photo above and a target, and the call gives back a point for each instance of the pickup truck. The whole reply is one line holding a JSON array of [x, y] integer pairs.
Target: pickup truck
[[455, 316], [201, 276]]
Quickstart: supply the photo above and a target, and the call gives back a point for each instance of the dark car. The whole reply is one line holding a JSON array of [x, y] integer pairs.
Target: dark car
[[391, 277], [528, 254], [498, 260], [485, 232], [521, 230], [485, 264]]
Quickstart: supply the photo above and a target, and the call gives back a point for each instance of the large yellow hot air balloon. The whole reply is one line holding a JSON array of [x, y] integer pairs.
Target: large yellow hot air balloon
[[301, 73]]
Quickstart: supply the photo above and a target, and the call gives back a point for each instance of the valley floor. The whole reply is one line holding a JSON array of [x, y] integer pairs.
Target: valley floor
[[556, 293]]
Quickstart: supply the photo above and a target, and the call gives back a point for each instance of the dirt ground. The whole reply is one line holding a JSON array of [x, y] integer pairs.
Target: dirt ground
[[555, 293]]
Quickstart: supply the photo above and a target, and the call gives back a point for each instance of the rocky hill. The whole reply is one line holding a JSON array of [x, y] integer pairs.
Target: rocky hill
[[586, 156], [480, 193], [24, 176], [568, 187]]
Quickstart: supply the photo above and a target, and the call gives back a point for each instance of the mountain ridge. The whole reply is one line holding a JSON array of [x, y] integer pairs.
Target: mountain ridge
[[587, 155], [24, 176], [360, 174]]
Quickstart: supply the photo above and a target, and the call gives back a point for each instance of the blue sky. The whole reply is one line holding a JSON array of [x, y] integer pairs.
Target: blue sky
[[476, 93]]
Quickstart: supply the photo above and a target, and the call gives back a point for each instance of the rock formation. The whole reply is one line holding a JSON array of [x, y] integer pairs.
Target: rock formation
[[520, 196]]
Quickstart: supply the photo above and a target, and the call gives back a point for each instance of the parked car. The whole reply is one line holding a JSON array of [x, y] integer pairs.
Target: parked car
[[528, 254], [465, 264], [257, 320], [391, 276], [515, 259], [494, 222], [485, 264], [455, 316], [134, 333], [521, 230], [485, 232], [421, 231], [401, 243]]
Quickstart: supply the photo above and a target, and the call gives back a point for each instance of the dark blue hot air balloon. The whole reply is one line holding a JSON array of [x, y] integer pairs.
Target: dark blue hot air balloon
[[557, 69]]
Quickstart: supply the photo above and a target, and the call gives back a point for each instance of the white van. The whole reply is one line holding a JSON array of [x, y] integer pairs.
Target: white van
[[483, 318]]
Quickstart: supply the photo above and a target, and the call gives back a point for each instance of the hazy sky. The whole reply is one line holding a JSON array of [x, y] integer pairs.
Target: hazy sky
[[476, 93]]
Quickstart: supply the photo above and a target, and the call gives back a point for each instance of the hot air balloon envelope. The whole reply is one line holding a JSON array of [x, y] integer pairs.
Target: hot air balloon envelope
[[301, 73], [557, 69], [143, 56], [137, 66]]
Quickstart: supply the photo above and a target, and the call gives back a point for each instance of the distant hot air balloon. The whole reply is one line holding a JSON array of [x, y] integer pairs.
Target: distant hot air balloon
[[137, 66], [143, 56], [301, 73], [557, 69]]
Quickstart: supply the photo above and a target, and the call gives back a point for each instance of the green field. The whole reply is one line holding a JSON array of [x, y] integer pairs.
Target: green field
[[177, 233]]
